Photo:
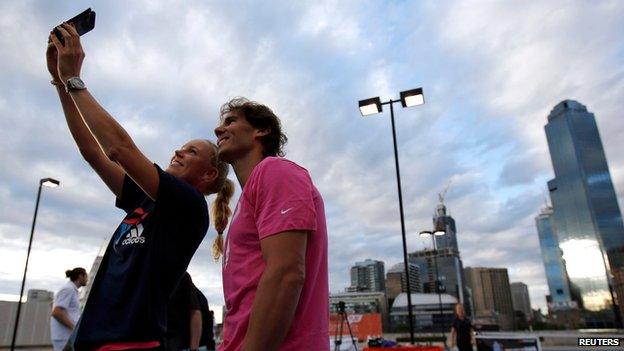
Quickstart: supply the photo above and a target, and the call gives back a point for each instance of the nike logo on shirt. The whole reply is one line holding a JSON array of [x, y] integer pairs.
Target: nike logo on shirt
[[285, 211]]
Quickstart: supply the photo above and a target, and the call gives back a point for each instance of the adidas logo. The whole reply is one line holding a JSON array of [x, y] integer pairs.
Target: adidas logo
[[134, 236]]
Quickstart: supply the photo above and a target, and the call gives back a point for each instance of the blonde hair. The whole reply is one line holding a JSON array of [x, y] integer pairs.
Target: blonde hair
[[220, 214], [224, 188]]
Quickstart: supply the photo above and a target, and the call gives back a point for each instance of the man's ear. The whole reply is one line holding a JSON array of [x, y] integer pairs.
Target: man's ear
[[263, 132]]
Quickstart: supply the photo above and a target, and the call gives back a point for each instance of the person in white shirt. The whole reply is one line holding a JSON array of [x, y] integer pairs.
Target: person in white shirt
[[66, 308]]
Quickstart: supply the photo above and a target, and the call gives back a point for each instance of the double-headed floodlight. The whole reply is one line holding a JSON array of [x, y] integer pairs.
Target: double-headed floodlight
[[409, 98], [373, 106]]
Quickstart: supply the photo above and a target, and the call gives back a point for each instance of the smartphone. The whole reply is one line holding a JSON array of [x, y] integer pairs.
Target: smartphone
[[84, 22]]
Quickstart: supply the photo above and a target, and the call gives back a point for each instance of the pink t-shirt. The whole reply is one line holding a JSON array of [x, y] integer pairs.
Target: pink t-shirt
[[279, 196]]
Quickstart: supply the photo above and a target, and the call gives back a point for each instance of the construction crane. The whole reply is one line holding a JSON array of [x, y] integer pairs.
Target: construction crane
[[443, 194]]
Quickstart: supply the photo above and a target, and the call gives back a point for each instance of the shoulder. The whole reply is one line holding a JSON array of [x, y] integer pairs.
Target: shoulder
[[276, 166], [66, 289], [172, 185]]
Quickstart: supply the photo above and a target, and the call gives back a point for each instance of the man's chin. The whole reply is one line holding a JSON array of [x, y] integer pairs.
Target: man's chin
[[224, 155]]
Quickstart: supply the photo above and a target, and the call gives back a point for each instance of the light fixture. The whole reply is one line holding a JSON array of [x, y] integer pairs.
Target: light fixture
[[412, 97], [425, 233], [440, 228], [370, 106], [50, 182]]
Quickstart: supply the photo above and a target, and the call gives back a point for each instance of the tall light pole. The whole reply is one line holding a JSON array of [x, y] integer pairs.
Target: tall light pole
[[372, 106], [48, 182], [439, 230]]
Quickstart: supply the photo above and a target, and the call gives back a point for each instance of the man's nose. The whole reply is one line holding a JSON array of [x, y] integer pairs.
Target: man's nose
[[219, 130]]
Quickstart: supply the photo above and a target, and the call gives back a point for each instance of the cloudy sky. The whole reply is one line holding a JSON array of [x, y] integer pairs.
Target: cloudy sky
[[491, 72]]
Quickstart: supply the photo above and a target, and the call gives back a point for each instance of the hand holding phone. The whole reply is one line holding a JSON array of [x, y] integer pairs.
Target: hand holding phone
[[83, 22]]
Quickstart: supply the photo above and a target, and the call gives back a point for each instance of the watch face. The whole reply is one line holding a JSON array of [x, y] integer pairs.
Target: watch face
[[76, 83]]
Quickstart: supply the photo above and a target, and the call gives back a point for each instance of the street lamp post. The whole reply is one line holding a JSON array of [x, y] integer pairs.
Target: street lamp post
[[372, 106], [438, 231], [48, 182]]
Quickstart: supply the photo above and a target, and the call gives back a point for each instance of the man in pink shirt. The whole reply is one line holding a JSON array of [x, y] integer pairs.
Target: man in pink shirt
[[275, 277]]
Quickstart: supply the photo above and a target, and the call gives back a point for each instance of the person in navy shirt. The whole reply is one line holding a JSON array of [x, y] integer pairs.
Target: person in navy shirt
[[166, 213]]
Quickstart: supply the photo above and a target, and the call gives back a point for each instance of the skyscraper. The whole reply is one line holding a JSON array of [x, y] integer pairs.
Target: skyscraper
[[556, 275], [368, 275], [449, 270], [84, 293], [520, 298], [396, 282], [449, 239], [491, 294], [587, 218], [446, 255]]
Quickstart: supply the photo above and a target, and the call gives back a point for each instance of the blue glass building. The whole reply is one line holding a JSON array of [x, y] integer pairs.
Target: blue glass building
[[587, 218], [556, 275]]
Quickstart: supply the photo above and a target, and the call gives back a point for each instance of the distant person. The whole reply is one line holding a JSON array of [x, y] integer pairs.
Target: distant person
[[275, 277], [190, 323], [166, 213], [462, 330], [208, 326], [184, 317], [66, 308]]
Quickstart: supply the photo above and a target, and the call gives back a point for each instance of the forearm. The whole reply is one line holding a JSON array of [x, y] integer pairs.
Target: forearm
[[452, 337], [88, 146], [195, 329], [109, 134], [273, 310], [61, 316]]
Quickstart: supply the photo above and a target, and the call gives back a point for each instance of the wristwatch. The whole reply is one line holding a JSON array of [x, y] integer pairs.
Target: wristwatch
[[74, 83]]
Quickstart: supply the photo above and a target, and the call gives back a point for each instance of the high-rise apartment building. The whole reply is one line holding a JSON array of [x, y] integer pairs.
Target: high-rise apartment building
[[491, 294], [520, 298], [396, 281], [449, 270], [587, 218], [368, 275]]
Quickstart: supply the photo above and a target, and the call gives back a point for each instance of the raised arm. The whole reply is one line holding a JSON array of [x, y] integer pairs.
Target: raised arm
[[109, 171], [111, 137]]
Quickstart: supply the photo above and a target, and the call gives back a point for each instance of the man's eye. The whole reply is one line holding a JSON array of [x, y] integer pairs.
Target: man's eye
[[194, 152]]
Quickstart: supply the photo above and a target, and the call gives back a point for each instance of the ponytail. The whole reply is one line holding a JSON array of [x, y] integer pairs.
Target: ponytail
[[220, 213], [74, 274]]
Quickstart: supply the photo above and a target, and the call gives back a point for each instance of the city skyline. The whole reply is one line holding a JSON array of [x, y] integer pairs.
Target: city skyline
[[490, 76]]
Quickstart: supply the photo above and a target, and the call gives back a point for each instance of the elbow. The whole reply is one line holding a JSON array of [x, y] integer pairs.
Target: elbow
[[55, 312], [117, 152], [90, 154], [294, 277]]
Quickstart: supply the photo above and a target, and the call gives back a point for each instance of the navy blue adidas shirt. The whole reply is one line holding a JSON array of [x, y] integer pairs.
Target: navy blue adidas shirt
[[143, 263]]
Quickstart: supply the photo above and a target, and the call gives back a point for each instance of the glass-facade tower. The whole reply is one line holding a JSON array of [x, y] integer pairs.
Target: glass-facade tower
[[449, 239], [587, 218], [556, 275]]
